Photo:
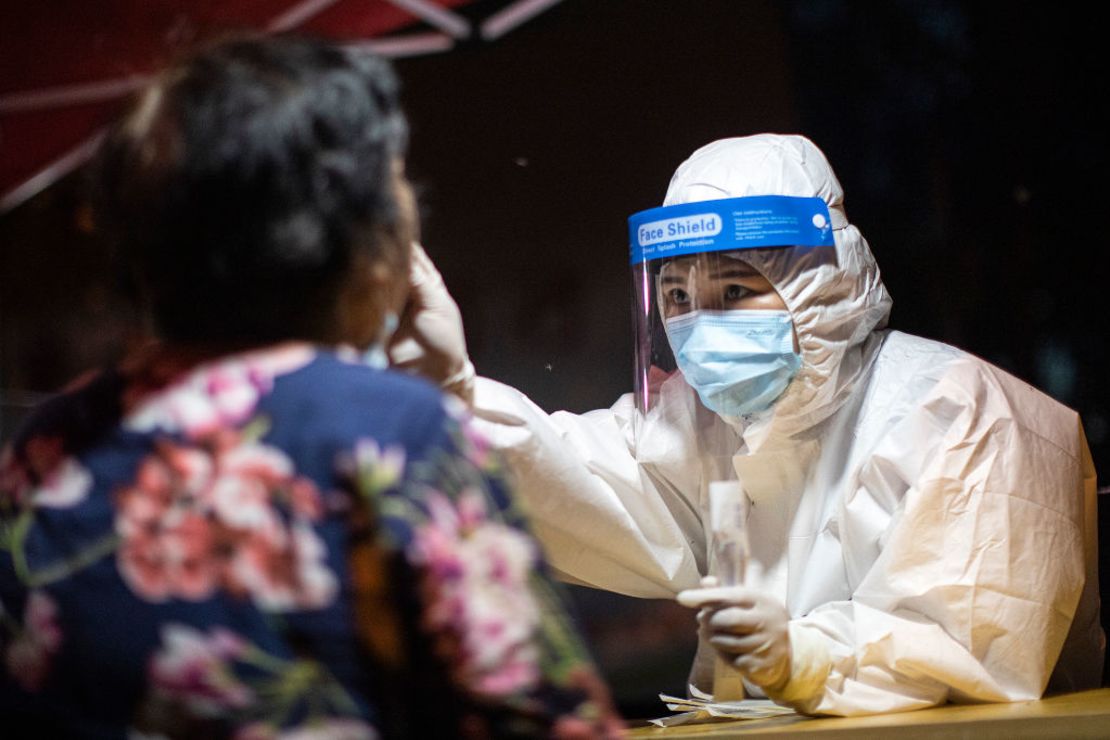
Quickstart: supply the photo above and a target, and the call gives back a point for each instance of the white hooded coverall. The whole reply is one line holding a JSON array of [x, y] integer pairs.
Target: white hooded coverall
[[927, 519]]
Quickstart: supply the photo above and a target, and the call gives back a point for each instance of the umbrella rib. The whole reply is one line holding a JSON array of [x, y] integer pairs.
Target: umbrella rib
[[408, 45], [450, 23], [505, 20], [62, 95], [57, 169], [298, 14], [94, 92]]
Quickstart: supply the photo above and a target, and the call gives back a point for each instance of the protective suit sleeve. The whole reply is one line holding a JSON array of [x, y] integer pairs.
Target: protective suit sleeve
[[979, 572], [602, 522]]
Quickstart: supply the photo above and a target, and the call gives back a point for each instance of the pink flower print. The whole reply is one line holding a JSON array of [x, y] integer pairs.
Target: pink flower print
[[184, 406], [306, 500], [172, 556], [318, 584], [477, 446], [514, 673], [28, 657], [283, 569], [195, 670], [470, 509], [187, 546], [216, 395], [13, 479], [141, 506], [68, 484], [501, 611], [49, 479], [200, 518], [251, 476], [40, 617], [165, 543], [476, 584], [142, 566], [261, 566], [192, 466], [234, 390], [241, 502], [247, 475]]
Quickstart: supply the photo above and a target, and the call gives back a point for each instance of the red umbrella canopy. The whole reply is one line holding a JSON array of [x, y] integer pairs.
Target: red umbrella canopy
[[67, 65]]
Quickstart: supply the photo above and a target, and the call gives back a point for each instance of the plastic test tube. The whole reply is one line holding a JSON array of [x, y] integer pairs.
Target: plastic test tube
[[728, 524]]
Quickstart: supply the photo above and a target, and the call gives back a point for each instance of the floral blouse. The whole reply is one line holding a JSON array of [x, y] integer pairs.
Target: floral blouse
[[282, 543]]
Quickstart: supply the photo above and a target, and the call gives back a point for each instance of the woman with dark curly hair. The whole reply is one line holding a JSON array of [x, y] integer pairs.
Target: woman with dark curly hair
[[249, 529]]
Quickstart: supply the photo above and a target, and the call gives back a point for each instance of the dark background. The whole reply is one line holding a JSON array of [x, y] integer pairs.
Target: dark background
[[969, 137]]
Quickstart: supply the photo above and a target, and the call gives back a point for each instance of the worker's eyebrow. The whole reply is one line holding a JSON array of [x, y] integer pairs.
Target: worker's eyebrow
[[737, 270]]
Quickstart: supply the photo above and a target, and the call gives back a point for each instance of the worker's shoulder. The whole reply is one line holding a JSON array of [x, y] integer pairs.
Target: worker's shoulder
[[918, 372], [916, 359]]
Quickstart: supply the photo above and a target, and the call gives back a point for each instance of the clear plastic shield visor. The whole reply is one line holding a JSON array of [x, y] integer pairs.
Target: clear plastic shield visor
[[698, 304]]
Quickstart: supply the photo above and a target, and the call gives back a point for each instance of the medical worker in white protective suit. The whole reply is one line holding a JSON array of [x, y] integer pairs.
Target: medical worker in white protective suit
[[922, 524]]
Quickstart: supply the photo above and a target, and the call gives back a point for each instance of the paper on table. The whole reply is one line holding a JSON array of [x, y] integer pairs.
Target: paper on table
[[704, 710]]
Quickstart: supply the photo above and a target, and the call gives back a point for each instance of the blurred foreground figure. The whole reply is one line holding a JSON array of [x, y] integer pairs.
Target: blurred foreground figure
[[922, 525], [248, 530]]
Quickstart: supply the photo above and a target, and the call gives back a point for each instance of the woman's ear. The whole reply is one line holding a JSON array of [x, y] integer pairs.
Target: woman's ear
[[372, 289], [378, 285]]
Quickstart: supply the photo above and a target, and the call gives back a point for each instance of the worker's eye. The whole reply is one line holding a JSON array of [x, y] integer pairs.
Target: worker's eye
[[678, 296], [735, 292]]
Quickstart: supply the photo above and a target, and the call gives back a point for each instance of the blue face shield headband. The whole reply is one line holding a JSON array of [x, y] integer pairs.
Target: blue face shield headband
[[733, 223], [739, 361]]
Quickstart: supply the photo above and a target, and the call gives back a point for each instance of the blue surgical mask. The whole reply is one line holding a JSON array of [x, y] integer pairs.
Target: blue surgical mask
[[375, 355], [739, 362]]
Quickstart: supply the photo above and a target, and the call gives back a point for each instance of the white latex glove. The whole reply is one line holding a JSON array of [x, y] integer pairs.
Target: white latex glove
[[747, 628], [429, 340]]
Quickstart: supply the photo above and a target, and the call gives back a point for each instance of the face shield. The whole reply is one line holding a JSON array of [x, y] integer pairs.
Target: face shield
[[701, 310]]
